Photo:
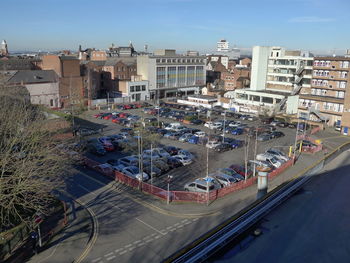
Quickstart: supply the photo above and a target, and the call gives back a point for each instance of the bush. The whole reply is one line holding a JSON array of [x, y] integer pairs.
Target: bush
[[190, 118]]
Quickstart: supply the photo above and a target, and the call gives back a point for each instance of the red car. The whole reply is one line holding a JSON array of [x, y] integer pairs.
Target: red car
[[98, 114], [123, 115], [106, 144], [127, 107], [138, 105], [108, 117], [117, 120]]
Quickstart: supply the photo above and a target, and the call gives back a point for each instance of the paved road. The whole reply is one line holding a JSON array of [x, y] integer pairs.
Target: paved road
[[313, 226]]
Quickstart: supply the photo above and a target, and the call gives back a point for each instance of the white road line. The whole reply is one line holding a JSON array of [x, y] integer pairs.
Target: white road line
[[136, 242], [149, 240], [177, 224], [180, 226], [169, 227], [149, 226], [141, 244], [158, 236], [128, 246], [184, 221], [110, 258], [132, 248], [95, 260], [153, 234], [195, 219], [109, 254], [123, 252], [188, 222], [117, 250]]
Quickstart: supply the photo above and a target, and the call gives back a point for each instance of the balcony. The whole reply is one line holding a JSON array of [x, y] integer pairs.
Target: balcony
[[321, 98]]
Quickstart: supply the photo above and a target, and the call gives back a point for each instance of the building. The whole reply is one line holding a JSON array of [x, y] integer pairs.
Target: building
[[3, 49], [98, 55], [128, 51], [170, 74], [213, 60], [136, 89], [223, 46], [67, 68], [328, 98], [42, 85], [121, 68], [199, 101]]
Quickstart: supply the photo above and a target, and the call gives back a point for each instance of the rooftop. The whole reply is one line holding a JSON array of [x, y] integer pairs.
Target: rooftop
[[33, 76]]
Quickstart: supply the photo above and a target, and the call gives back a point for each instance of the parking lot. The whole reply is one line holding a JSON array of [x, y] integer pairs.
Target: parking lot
[[199, 167]]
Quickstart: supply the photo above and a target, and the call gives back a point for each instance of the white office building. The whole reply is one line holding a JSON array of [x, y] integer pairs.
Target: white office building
[[172, 75]]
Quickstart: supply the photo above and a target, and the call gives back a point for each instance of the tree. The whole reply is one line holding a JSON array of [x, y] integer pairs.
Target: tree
[[30, 165]]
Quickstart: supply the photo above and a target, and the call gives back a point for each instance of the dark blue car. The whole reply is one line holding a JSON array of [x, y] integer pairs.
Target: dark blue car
[[237, 131], [194, 139]]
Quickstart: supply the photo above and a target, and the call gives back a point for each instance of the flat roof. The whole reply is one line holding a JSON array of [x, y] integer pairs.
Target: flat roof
[[203, 97]]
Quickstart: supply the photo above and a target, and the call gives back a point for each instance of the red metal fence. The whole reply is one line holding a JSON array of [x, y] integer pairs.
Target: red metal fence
[[279, 170]]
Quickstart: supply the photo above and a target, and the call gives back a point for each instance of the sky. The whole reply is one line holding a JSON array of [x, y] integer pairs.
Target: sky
[[317, 25]]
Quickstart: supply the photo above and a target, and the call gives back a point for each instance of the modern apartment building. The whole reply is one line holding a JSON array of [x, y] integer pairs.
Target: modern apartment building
[[136, 88], [328, 98], [170, 74]]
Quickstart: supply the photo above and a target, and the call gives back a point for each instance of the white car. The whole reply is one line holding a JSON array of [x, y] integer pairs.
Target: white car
[[200, 134], [278, 154], [134, 172], [216, 125], [270, 159], [212, 144], [208, 124], [235, 124], [185, 153], [183, 159]]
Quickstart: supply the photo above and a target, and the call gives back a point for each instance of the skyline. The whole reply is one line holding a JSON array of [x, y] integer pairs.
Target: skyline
[[178, 24]]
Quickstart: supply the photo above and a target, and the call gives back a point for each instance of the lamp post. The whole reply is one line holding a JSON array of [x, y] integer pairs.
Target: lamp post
[[207, 175], [151, 165], [169, 179], [223, 131], [255, 150]]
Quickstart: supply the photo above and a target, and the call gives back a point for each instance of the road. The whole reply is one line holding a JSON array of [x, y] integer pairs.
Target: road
[[312, 226]]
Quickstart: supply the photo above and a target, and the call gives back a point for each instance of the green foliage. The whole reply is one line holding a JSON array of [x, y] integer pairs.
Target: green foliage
[[191, 118]]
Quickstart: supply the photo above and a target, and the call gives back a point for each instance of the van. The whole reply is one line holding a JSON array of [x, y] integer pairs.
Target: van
[[203, 185]]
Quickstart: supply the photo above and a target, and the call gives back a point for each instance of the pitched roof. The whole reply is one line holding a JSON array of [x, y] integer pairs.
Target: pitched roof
[[126, 60], [33, 76]]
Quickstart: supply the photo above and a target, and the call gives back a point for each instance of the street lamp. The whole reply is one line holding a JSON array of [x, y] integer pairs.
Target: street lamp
[[169, 179], [223, 131]]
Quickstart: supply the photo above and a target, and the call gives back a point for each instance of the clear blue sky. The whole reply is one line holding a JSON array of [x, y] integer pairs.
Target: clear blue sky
[[180, 24]]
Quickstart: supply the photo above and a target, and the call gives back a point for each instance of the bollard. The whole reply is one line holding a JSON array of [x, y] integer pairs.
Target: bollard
[[262, 184]]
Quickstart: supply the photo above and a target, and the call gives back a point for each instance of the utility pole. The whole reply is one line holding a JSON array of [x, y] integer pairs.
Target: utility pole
[[208, 176], [245, 159], [223, 131], [151, 165], [295, 142], [255, 150], [71, 102]]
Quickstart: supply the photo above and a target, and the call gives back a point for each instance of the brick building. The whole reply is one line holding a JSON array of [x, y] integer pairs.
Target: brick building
[[328, 98], [70, 80]]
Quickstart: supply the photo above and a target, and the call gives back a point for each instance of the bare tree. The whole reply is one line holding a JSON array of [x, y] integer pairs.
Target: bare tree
[[29, 166]]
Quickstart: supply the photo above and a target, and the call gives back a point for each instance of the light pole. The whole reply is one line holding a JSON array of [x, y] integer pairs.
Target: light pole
[[169, 179], [223, 131], [207, 176], [151, 165], [295, 142], [255, 150]]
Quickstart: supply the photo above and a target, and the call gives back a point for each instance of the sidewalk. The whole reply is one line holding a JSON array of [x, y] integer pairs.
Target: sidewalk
[[68, 244]]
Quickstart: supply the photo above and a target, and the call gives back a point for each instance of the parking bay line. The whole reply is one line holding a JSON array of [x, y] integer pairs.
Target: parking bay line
[[150, 226]]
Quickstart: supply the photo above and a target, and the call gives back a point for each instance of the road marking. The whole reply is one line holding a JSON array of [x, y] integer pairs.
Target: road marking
[[180, 226], [123, 252], [95, 260], [188, 222], [110, 258], [153, 234], [149, 226], [184, 221], [117, 250], [158, 236], [136, 242], [109, 254], [128, 246], [149, 240], [141, 244], [132, 248]]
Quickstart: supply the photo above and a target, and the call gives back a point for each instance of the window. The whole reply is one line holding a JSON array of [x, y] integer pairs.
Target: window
[[323, 92], [336, 107], [340, 94], [342, 84], [341, 108], [51, 103], [138, 88], [132, 88], [345, 64], [313, 91], [267, 100], [158, 60], [143, 87]]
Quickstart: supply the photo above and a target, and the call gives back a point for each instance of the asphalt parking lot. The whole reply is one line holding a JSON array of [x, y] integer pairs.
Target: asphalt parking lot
[[185, 174]]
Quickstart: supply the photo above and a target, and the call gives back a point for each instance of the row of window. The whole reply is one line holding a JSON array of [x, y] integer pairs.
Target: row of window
[[325, 73], [179, 60], [323, 92], [137, 88], [179, 76], [324, 83], [329, 106], [327, 63], [124, 68]]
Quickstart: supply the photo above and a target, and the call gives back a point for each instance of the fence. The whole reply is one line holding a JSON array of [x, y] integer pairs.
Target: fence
[[315, 130], [179, 196]]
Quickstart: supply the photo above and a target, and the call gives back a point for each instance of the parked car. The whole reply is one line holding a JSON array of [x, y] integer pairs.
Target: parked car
[[183, 159], [174, 162], [153, 170], [172, 150], [292, 125], [231, 172], [134, 172], [264, 137], [240, 169], [224, 179], [278, 154], [212, 144], [163, 166], [202, 185], [161, 152], [200, 134], [237, 131], [86, 132], [96, 148], [129, 161], [276, 134], [185, 153], [148, 154], [185, 137], [196, 122], [270, 159], [223, 147], [261, 166]]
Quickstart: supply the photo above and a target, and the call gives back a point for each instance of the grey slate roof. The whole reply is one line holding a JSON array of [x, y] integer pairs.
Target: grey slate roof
[[33, 76]]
